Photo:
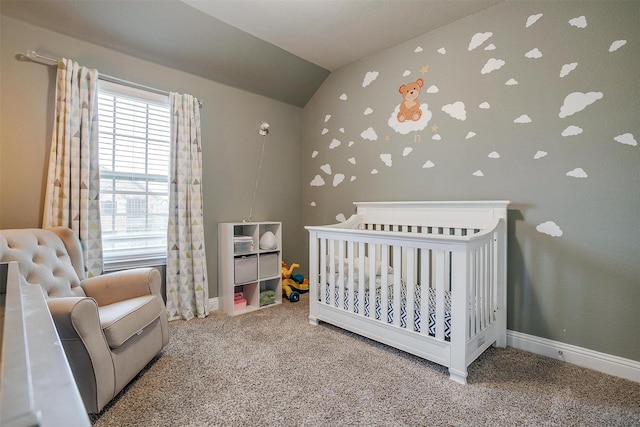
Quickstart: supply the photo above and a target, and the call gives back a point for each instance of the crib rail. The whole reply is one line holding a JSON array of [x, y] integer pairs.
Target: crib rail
[[414, 278]]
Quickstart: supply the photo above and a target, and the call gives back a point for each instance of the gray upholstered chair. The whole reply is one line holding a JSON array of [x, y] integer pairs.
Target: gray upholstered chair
[[111, 326]]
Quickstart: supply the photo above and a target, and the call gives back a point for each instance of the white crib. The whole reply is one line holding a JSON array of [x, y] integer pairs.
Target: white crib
[[447, 260]]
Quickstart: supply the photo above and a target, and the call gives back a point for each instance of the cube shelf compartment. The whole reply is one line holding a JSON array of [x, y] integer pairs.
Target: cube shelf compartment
[[248, 270]]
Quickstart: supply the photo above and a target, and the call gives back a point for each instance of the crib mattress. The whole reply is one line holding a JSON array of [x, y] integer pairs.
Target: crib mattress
[[417, 324]]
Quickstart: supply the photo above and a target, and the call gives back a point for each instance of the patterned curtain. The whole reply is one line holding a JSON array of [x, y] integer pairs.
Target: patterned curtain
[[73, 181], [187, 287]]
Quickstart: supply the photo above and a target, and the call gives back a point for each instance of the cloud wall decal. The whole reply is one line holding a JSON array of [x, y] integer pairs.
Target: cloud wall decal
[[540, 154], [492, 64], [523, 119], [580, 22], [617, 45], [578, 101], [572, 131], [369, 77], [369, 134], [534, 54], [533, 19], [478, 39], [456, 110], [428, 164], [550, 228], [567, 68], [627, 139], [409, 125], [577, 173]]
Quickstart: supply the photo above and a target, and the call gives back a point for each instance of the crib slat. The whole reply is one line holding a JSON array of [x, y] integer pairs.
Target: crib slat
[[472, 291], [440, 270], [373, 259], [411, 283], [425, 285], [384, 291], [332, 272], [486, 285], [476, 293], [494, 280], [397, 260], [490, 275], [480, 280], [361, 258], [477, 305], [481, 288], [323, 270], [341, 274], [350, 286]]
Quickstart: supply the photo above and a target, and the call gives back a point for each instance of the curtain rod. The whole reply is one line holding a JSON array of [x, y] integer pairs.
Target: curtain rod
[[34, 56]]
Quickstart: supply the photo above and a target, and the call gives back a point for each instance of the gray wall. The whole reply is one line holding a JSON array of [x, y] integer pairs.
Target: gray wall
[[231, 144], [559, 166]]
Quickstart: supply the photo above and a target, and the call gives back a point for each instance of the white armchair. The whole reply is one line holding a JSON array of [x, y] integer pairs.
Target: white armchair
[[111, 326]]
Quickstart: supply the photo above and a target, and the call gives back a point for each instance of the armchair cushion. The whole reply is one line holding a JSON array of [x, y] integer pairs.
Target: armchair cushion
[[124, 319]]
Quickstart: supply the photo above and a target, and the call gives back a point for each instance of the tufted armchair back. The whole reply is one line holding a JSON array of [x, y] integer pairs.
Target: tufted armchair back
[[51, 258]]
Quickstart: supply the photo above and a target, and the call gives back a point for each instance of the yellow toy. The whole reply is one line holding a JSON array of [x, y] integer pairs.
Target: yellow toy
[[293, 284]]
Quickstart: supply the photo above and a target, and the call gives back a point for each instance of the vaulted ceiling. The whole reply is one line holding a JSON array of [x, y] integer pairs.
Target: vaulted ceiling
[[282, 49]]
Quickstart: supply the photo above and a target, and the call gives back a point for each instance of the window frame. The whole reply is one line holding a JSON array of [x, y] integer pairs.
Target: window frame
[[135, 258]]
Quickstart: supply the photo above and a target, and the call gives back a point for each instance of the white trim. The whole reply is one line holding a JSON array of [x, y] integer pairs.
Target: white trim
[[111, 85], [601, 362], [212, 304], [117, 265]]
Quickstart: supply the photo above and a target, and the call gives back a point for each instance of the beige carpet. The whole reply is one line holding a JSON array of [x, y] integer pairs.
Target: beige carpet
[[272, 367]]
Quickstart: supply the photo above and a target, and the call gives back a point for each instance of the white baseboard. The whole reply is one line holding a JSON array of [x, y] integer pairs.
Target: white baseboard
[[212, 304], [601, 362]]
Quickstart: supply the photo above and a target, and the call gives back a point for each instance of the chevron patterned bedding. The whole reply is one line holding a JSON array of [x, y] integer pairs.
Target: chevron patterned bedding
[[417, 326]]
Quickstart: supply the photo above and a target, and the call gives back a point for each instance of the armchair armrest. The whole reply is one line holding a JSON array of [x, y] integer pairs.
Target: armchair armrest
[[78, 326], [76, 318], [121, 285]]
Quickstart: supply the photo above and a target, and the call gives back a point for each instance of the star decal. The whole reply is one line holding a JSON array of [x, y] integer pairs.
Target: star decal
[[424, 69], [434, 128]]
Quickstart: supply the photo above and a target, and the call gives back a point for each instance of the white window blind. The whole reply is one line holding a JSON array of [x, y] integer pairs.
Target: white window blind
[[134, 174]]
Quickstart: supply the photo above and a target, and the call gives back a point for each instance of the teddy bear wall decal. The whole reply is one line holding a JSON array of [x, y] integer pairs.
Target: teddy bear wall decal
[[410, 106], [411, 115]]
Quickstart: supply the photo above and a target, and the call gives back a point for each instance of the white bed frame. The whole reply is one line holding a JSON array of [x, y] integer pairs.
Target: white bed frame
[[457, 247]]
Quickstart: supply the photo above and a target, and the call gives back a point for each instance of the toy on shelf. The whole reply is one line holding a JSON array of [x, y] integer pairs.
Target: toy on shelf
[[239, 302], [267, 297], [293, 284]]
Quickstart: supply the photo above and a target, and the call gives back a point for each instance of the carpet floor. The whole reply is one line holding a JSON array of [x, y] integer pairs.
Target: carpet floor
[[272, 368]]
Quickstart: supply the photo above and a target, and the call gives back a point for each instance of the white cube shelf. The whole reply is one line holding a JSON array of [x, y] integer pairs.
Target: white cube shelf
[[249, 276]]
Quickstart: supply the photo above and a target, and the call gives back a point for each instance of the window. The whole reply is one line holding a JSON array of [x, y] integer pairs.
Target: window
[[134, 175]]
